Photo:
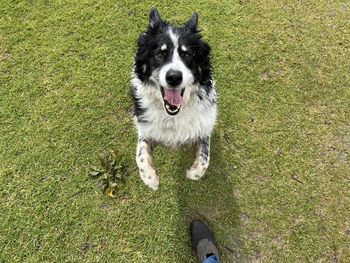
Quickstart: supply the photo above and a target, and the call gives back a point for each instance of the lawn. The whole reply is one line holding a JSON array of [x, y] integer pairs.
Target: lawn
[[278, 186]]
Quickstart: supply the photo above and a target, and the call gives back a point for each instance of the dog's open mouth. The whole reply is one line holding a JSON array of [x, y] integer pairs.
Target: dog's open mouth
[[172, 100]]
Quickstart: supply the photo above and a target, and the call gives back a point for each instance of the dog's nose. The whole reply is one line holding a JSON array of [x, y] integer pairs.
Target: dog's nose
[[173, 77]]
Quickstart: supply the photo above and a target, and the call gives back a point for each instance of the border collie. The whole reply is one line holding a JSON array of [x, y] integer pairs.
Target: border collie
[[173, 93]]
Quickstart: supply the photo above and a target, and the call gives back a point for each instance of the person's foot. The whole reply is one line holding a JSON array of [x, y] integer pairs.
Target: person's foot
[[203, 241]]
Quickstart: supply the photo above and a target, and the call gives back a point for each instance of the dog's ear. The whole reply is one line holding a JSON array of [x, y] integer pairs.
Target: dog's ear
[[154, 18], [192, 24]]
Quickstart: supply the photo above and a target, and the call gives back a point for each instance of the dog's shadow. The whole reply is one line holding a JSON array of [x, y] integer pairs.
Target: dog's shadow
[[210, 199]]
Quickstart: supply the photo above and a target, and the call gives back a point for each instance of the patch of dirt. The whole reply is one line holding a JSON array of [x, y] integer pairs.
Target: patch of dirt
[[211, 214], [237, 194], [256, 257], [244, 218], [277, 241], [322, 114], [85, 247], [105, 207], [335, 256], [338, 147], [234, 248], [335, 145], [272, 74]]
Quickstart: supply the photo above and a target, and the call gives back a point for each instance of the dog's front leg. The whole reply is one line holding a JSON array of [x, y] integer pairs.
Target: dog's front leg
[[201, 162], [144, 163]]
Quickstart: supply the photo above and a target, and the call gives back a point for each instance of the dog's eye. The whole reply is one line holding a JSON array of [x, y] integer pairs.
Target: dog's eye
[[160, 55], [186, 54]]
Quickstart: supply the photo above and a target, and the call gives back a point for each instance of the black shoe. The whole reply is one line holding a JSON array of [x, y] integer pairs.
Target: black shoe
[[203, 241]]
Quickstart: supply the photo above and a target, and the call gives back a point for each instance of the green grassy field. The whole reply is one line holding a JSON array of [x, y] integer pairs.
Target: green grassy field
[[278, 187]]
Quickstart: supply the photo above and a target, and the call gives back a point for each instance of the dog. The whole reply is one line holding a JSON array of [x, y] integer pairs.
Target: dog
[[174, 94]]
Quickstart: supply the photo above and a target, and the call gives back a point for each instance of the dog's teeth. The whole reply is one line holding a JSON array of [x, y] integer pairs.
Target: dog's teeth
[[170, 110]]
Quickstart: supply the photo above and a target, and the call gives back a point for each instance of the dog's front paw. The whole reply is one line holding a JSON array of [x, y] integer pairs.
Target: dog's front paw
[[150, 178], [196, 172]]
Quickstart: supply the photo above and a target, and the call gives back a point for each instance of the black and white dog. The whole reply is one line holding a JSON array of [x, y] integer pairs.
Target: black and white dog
[[174, 94]]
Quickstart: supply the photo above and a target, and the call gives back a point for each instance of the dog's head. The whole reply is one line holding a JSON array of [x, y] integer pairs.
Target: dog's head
[[174, 59]]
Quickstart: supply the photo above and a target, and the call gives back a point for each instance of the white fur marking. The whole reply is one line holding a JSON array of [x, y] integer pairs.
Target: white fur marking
[[174, 37], [176, 64], [163, 47], [144, 163], [198, 168]]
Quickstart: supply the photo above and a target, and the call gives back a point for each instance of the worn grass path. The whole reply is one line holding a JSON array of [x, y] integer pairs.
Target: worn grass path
[[278, 188]]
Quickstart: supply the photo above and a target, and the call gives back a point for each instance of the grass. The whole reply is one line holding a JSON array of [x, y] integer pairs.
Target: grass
[[278, 186]]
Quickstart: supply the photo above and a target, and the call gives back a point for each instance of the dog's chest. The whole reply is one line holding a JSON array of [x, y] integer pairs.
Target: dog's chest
[[195, 120]]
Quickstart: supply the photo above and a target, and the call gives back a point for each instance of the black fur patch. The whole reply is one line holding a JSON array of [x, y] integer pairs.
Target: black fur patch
[[138, 109], [204, 144]]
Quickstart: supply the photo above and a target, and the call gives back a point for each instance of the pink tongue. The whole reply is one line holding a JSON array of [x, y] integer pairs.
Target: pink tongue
[[173, 97]]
